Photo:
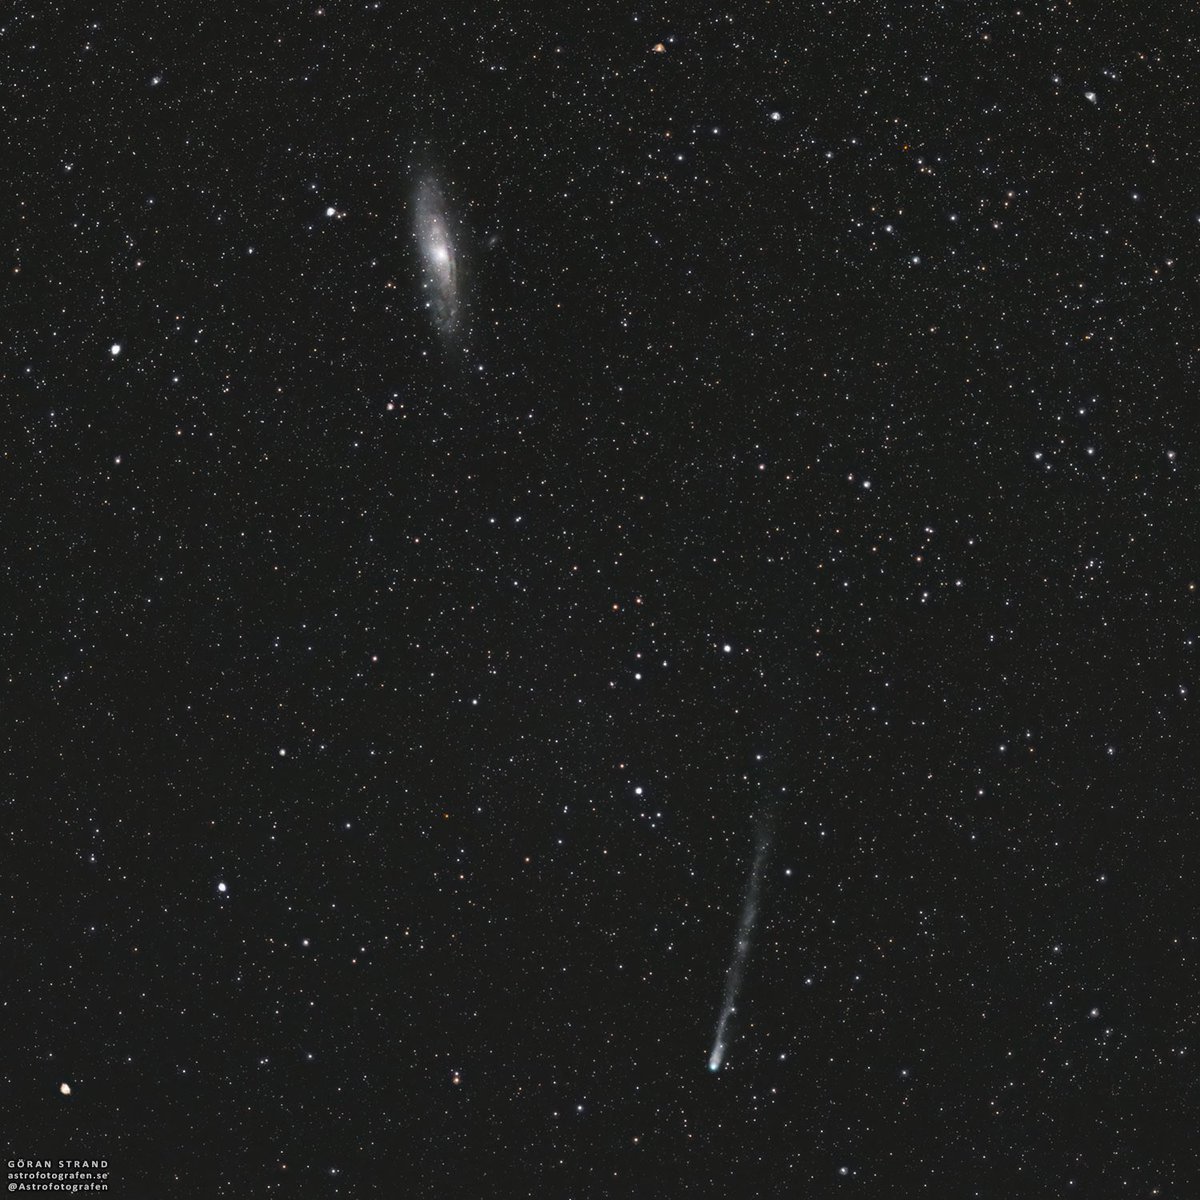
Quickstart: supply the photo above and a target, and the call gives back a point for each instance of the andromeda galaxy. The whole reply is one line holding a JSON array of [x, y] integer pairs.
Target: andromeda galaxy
[[438, 249]]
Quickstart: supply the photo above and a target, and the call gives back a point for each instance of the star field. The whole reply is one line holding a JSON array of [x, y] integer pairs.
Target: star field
[[469, 469]]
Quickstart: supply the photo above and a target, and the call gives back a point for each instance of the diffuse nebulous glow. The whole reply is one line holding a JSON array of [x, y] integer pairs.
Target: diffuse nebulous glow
[[438, 246]]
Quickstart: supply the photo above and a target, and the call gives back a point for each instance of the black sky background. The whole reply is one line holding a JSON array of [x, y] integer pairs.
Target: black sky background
[[459, 953]]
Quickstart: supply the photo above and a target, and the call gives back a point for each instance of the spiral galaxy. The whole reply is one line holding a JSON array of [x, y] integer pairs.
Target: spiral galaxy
[[439, 253]]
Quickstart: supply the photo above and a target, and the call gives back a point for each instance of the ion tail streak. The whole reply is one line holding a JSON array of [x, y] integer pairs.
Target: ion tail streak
[[742, 943]]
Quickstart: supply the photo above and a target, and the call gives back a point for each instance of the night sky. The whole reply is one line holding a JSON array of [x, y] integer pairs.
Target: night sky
[[601, 601]]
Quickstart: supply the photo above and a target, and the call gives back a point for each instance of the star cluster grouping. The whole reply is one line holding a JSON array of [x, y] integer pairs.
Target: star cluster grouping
[[470, 472]]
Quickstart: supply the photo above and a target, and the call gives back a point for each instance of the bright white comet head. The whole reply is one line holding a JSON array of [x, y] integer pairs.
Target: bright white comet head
[[438, 250]]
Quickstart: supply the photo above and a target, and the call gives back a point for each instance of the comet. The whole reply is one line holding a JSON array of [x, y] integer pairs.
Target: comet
[[741, 945]]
